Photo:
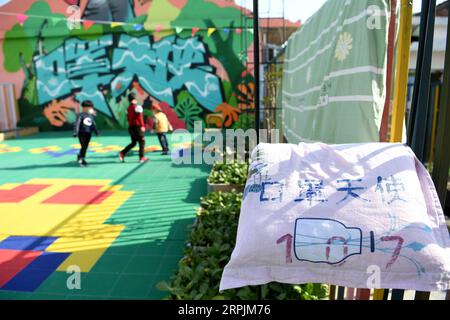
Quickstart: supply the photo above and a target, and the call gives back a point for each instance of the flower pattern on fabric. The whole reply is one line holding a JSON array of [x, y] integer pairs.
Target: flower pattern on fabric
[[344, 46]]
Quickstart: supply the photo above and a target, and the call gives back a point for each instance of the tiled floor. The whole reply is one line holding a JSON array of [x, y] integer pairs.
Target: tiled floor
[[125, 241]]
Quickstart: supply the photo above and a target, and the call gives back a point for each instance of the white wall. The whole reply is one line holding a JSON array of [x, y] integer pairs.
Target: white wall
[[440, 37]]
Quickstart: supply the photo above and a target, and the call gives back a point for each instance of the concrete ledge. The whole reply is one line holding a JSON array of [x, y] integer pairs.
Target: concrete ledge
[[19, 132], [213, 187]]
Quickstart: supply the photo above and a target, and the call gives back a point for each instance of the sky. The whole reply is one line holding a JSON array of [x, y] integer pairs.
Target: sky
[[297, 9], [293, 9]]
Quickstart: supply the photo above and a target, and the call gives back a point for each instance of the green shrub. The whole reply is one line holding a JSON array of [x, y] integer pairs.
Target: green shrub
[[233, 173], [209, 249]]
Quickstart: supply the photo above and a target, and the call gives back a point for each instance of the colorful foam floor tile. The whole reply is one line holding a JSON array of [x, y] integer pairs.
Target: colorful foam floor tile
[[33, 275], [183, 145], [64, 208], [24, 263], [54, 151], [12, 262], [123, 225], [4, 148], [106, 149], [149, 149], [16, 194], [26, 243], [44, 149], [92, 144]]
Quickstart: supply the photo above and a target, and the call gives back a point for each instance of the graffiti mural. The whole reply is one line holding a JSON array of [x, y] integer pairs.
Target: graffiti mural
[[84, 66], [125, 46]]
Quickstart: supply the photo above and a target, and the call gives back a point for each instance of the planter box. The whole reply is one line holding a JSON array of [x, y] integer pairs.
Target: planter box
[[213, 187]]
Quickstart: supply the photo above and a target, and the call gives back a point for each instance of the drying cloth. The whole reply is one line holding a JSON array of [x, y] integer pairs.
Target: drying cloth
[[357, 215], [334, 74]]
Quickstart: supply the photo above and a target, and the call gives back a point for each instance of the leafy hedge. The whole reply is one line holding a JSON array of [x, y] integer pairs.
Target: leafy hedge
[[209, 249], [233, 173]]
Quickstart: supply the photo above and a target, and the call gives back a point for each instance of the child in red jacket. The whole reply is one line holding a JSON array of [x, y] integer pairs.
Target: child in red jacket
[[136, 129]]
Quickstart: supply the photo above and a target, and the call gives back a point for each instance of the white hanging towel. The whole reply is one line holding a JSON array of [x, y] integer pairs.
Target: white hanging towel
[[358, 215]]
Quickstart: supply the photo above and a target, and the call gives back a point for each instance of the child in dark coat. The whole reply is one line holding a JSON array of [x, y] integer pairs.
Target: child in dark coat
[[83, 128]]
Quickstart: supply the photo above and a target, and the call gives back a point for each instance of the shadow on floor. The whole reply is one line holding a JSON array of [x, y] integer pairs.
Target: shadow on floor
[[129, 269], [70, 164], [198, 186]]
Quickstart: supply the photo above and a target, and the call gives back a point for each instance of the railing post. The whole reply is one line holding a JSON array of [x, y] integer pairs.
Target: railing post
[[442, 151], [256, 65], [378, 294], [420, 103], [363, 294], [402, 71], [397, 294], [341, 293], [389, 72], [437, 92], [332, 295], [421, 295]]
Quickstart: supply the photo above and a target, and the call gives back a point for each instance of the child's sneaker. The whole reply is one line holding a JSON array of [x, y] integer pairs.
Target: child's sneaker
[[121, 157], [143, 160], [84, 162], [81, 163]]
